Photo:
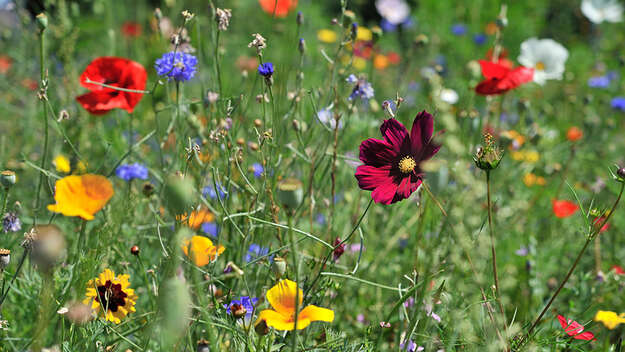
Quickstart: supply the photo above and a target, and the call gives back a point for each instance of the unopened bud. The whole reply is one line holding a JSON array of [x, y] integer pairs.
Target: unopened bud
[[238, 311], [258, 123], [354, 31], [240, 141], [42, 21], [148, 189], [158, 14], [349, 17], [202, 346], [134, 250], [300, 18], [296, 125], [7, 178], [301, 46], [290, 193], [620, 175], [5, 258], [488, 157], [377, 33], [278, 266], [261, 328]]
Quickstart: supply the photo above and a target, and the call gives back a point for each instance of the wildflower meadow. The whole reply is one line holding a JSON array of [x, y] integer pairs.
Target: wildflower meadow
[[336, 175]]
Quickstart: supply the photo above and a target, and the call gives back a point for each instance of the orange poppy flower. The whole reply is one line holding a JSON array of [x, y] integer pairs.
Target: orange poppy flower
[[279, 8], [563, 208], [201, 250], [5, 64], [282, 317], [82, 195], [574, 134], [197, 218], [380, 62]]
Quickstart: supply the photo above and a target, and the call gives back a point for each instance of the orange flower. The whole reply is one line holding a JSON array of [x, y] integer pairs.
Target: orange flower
[[380, 62], [282, 317], [278, 8], [201, 250], [82, 195], [197, 218], [574, 134], [5, 64]]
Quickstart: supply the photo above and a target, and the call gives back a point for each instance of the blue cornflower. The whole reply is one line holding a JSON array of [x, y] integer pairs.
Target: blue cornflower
[[480, 38], [11, 223], [209, 191], [320, 219], [255, 251], [618, 103], [258, 170], [210, 228], [266, 69], [180, 67], [130, 171], [599, 82], [459, 29], [246, 302], [387, 26], [362, 88]]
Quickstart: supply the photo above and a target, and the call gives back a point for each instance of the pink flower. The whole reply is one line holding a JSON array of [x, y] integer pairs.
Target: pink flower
[[392, 166], [575, 329]]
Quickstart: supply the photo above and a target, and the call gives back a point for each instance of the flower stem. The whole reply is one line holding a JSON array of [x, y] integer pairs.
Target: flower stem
[[438, 204], [44, 118], [493, 252], [590, 237], [296, 270], [5, 200]]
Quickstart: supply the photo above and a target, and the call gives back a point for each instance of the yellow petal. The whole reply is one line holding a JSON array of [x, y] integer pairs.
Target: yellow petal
[[326, 36], [201, 250], [281, 322], [610, 319], [62, 164], [282, 297], [81, 195], [314, 313]]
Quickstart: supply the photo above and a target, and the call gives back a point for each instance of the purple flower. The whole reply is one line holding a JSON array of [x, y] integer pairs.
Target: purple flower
[[266, 69], [522, 252], [244, 301], [181, 66], [387, 26], [459, 29], [210, 228], [254, 252], [618, 103], [480, 38], [320, 219], [599, 82], [11, 223], [131, 171], [210, 192], [410, 346], [362, 88], [257, 169]]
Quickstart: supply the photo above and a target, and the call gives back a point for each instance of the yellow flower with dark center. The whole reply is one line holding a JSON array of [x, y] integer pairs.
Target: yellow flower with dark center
[[82, 195], [282, 317], [610, 319], [201, 250], [111, 296]]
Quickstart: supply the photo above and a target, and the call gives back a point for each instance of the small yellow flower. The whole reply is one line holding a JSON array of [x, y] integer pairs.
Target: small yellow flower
[[197, 218], [282, 316], [364, 34], [327, 36], [359, 63], [532, 156], [111, 296], [517, 155], [541, 181], [380, 62], [529, 179], [610, 319], [81, 195], [62, 164], [201, 250]]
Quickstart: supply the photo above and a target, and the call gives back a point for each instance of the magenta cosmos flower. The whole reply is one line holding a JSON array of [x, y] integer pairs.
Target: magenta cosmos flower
[[392, 166]]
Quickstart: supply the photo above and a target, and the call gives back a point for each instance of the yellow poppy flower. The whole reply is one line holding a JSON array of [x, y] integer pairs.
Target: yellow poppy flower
[[62, 164], [610, 319], [326, 35], [197, 218], [364, 34], [81, 195], [201, 250], [282, 317], [111, 296]]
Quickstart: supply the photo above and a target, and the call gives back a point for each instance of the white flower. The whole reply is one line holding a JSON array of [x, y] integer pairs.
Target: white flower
[[598, 11], [326, 116], [545, 56], [449, 96], [394, 11]]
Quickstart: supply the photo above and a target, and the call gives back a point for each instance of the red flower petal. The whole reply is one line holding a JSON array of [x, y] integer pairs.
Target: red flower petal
[[99, 103], [370, 177], [598, 220], [385, 193], [493, 70], [575, 329], [500, 79], [618, 270], [280, 8], [421, 132], [376, 152], [405, 188], [563, 208], [395, 134]]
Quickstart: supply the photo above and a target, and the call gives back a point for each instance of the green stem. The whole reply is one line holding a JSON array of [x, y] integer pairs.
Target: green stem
[[296, 270], [217, 68], [5, 200], [44, 118], [590, 237]]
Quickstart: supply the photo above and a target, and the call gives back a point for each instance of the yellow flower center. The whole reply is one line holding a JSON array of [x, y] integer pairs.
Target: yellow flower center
[[540, 66], [407, 164]]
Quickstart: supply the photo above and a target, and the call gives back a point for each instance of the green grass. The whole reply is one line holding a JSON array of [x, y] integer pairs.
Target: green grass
[[411, 251]]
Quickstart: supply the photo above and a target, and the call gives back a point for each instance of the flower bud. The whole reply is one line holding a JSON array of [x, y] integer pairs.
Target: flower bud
[[278, 266], [354, 31], [238, 311], [8, 178], [290, 193], [421, 40], [300, 18], [158, 14], [42, 21], [261, 328], [147, 189], [134, 250], [620, 174], [301, 46], [202, 346], [488, 157], [5, 258], [258, 123]]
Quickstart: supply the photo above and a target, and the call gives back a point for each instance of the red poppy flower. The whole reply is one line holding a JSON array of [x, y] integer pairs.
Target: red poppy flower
[[563, 208], [574, 134], [5, 64], [392, 166], [502, 59], [278, 8], [575, 329], [598, 220], [500, 79], [393, 58], [131, 29], [618, 270], [113, 71]]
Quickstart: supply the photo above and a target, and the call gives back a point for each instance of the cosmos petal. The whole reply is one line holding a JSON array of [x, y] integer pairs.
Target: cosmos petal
[[421, 132], [370, 177], [384, 193], [395, 134], [376, 152]]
